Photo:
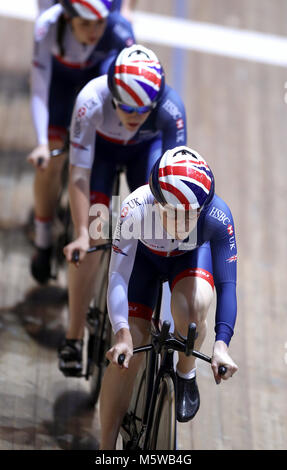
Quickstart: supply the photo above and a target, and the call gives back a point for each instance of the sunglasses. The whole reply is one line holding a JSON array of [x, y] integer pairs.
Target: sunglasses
[[130, 109]]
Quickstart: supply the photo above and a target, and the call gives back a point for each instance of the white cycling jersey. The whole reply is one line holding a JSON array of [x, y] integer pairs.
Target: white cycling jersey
[[94, 112], [140, 222], [76, 55]]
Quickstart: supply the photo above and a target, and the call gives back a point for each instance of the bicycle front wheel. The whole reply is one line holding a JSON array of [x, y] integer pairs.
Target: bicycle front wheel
[[101, 338], [101, 343], [163, 430]]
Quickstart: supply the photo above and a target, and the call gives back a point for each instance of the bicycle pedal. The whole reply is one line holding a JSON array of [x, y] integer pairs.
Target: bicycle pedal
[[70, 371]]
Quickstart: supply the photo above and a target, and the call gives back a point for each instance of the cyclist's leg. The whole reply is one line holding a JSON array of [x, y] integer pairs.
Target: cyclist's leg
[[117, 385], [47, 183], [117, 388], [192, 293], [81, 280]]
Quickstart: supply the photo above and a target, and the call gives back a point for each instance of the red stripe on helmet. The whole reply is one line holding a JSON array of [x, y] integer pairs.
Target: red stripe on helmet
[[89, 6], [172, 189], [194, 162], [134, 70], [128, 89], [185, 171]]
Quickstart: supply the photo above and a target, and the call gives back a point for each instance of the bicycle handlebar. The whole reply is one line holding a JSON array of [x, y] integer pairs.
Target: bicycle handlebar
[[56, 152], [164, 339], [92, 249]]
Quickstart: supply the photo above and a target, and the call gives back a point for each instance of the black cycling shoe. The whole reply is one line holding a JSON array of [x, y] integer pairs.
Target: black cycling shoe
[[70, 355], [188, 399], [41, 265]]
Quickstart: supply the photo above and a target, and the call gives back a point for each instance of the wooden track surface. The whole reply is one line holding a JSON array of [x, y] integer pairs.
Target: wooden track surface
[[237, 119]]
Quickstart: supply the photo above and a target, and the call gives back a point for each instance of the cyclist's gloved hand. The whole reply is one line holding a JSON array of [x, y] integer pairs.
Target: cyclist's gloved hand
[[221, 357], [123, 345], [77, 247], [40, 156]]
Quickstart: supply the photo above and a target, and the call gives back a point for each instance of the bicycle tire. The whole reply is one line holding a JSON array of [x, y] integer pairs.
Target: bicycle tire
[[163, 429], [132, 422], [102, 342], [101, 339]]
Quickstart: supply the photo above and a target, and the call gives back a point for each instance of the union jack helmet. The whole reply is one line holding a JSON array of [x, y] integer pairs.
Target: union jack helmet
[[88, 9], [182, 177], [136, 77]]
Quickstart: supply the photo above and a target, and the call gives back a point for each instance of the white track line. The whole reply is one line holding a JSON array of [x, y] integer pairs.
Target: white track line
[[212, 39], [186, 34]]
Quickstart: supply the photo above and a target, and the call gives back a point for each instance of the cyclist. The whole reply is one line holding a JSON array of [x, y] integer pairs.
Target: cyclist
[[75, 41], [136, 117], [191, 245]]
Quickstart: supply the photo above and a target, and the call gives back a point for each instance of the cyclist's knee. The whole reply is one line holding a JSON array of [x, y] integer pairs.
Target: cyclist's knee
[[140, 330], [199, 305], [192, 296]]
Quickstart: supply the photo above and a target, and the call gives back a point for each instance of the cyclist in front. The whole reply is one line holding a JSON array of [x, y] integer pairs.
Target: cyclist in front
[[135, 116], [179, 230], [74, 41]]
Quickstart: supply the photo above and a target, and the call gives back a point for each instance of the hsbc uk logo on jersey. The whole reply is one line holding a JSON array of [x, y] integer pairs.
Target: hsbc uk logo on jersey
[[219, 215], [232, 244], [230, 229], [225, 220]]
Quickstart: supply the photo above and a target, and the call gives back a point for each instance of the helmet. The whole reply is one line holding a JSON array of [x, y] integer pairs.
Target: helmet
[[181, 176], [136, 78], [88, 9]]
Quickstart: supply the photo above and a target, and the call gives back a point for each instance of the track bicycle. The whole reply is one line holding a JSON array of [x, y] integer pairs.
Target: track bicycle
[[98, 327], [150, 422]]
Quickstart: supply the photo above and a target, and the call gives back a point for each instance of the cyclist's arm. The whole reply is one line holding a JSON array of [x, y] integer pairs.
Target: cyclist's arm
[[79, 195], [121, 266], [84, 123], [224, 260], [40, 84], [171, 119], [82, 147]]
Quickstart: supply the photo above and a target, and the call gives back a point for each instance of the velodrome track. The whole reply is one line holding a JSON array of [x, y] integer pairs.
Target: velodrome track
[[234, 91]]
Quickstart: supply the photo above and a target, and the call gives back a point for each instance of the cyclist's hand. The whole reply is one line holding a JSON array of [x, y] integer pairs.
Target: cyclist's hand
[[221, 358], [81, 244], [123, 345], [40, 156]]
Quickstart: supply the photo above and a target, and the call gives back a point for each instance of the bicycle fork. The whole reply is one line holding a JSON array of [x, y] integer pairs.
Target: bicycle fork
[[166, 368]]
